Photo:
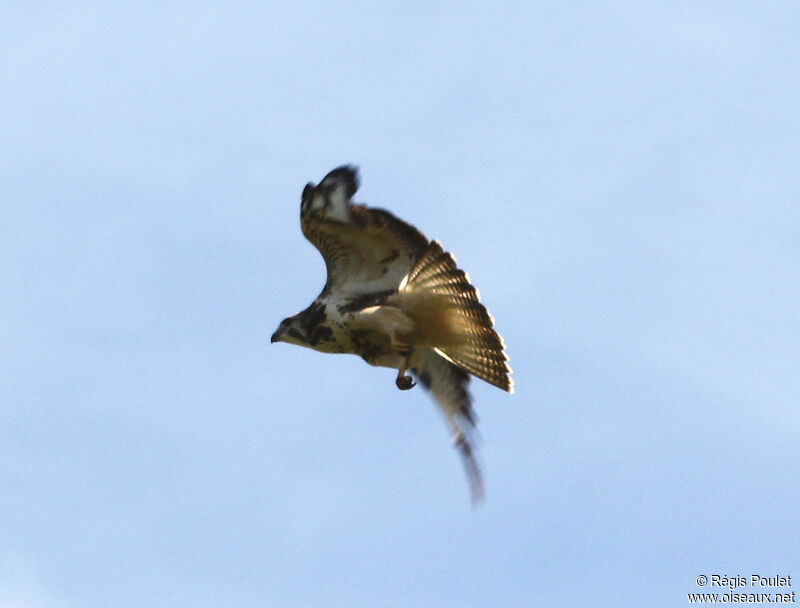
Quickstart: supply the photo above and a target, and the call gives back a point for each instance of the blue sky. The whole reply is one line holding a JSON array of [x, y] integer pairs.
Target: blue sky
[[619, 179]]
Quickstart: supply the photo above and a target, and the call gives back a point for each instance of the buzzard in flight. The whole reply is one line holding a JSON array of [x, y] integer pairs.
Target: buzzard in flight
[[397, 300]]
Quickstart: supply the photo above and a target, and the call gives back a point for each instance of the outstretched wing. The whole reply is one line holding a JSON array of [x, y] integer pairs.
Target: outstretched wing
[[365, 250], [480, 349], [448, 385]]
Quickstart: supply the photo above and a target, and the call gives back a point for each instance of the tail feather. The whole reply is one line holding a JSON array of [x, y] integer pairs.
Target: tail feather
[[449, 386], [479, 349]]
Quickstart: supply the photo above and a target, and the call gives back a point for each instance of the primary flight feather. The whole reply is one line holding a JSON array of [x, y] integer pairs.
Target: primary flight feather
[[397, 300]]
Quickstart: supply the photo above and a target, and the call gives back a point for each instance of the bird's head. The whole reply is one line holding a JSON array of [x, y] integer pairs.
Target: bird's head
[[291, 330]]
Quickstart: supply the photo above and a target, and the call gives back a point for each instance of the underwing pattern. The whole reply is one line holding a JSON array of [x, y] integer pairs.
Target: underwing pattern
[[398, 300]]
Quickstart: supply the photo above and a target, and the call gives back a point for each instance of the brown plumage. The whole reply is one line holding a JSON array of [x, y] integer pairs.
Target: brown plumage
[[468, 339], [397, 300]]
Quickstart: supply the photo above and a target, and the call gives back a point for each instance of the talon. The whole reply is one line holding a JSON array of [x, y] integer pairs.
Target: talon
[[405, 382]]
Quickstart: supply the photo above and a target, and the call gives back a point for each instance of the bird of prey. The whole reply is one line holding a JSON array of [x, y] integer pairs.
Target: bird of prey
[[397, 300]]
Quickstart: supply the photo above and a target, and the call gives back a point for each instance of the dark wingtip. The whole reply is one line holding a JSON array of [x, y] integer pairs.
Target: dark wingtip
[[346, 174]]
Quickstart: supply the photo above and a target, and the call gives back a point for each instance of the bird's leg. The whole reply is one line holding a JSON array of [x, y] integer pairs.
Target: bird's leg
[[403, 382]]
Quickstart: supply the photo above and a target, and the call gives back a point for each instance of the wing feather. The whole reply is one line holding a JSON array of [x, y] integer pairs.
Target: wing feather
[[480, 349], [365, 250]]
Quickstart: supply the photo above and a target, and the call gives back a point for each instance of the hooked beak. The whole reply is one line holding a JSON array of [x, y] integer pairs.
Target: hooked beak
[[275, 338]]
